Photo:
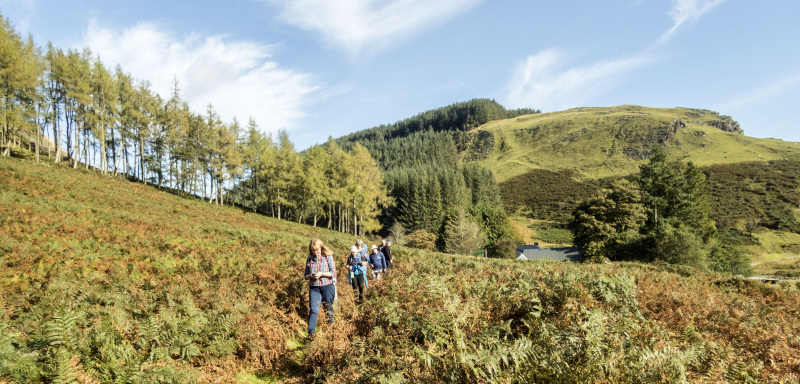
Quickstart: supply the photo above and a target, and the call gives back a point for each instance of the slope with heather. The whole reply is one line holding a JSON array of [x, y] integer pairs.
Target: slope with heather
[[104, 280]]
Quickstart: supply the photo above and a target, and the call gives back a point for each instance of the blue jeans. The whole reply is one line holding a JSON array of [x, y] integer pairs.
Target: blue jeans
[[316, 295]]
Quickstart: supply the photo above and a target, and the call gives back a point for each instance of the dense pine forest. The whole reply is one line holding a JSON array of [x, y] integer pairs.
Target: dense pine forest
[[442, 202]]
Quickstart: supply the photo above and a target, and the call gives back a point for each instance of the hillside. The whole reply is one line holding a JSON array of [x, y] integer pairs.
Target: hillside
[[548, 163], [611, 141], [105, 280]]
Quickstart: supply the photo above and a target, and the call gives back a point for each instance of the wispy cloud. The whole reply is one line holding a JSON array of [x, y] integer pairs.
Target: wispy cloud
[[686, 11], [366, 27], [237, 77], [544, 80], [761, 94]]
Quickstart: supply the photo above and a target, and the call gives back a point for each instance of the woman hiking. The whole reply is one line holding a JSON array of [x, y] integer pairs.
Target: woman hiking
[[320, 271], [357, 268]]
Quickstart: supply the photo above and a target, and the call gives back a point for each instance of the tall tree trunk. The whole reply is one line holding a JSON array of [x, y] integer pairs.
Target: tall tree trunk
[[124, 156], [141, 158], [329, 216], [279, 204], [114, 150], [211, 187], [77, 145], [38, 140], [56, 135], [86, 141], [135, 166], [219, 193]]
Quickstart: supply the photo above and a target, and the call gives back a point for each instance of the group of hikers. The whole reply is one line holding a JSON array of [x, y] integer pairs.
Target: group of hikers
[[320, 271]]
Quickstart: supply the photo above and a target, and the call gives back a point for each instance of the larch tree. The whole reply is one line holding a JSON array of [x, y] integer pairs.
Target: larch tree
[[143, 116], [314, 186], [257, 153], [104, 108], [336, 174], [18, 80], [367, 190], [76, 100], [283, 172], [56, 91]]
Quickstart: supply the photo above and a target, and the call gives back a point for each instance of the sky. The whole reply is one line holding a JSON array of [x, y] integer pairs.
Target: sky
[[320, 68]]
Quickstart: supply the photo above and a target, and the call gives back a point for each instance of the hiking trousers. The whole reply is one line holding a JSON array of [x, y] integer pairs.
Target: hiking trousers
[[317, 295], [358, 283]]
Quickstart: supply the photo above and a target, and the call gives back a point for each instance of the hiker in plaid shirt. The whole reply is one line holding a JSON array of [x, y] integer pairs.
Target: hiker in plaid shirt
[[320, 272]]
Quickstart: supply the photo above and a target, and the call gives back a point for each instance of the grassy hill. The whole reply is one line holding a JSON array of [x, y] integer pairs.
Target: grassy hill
[[602, 142], [104, 280], [548, 163]]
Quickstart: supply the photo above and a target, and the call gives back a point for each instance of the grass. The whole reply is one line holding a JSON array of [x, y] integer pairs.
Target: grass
[[774, 245], [787, 268], [548, 163], [546, 233], [612, 141], [103, 280]]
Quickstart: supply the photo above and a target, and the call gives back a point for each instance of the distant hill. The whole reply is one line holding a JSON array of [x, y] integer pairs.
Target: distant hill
[[546, 164], [612, 141]]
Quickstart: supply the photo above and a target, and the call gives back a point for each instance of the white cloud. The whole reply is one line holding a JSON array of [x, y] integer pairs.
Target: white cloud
[[544, 81], [684, 11], [236, 77], [366, 27], [761, 94]]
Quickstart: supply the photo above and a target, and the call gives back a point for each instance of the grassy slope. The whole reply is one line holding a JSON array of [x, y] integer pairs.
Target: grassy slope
[[603, 142], [111, 280], [595, 143]]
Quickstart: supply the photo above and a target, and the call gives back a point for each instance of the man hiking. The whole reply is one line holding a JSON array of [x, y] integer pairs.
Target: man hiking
[[377, 262], [357, 268]]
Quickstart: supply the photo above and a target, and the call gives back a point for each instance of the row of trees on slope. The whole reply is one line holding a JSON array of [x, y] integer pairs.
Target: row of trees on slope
[[661, 213], [324, 183], [456, 117], [109, 121]]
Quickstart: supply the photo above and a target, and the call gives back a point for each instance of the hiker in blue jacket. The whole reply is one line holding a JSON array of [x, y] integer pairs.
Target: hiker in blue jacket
[[357, 271], [377, 261]]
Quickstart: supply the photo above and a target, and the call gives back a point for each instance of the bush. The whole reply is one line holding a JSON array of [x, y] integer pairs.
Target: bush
[[421, 239], [729, 260], [679, 245], [504, 248]]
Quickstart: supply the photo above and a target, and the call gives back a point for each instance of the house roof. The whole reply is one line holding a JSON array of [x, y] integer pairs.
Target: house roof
[[529, 252]]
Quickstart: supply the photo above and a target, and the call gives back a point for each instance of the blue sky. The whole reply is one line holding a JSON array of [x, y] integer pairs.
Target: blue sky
[[322, 68]]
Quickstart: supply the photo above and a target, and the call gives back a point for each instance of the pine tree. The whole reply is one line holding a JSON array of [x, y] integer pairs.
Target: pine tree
[[610, 223]]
